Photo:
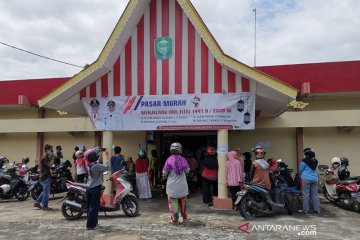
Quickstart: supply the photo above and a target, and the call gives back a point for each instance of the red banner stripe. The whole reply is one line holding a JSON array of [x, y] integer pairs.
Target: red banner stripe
[[104, 86], [231, 82], [117, 77], [178, 48], [204, 68], [245, 85], [128, 69], [191, 58], [153, 71], [217, 77], [93, 90], [140, 60]]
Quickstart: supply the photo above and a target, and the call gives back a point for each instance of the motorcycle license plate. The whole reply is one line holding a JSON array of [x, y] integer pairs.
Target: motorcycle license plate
[[239, 196]]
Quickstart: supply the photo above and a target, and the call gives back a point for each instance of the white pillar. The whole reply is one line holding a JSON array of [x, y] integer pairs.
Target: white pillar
[[107, 140], [222, 139]]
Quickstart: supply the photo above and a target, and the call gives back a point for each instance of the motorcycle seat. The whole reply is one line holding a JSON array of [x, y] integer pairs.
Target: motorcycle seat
[[293, 190], [347, 181], [257, 185], [83, 185]]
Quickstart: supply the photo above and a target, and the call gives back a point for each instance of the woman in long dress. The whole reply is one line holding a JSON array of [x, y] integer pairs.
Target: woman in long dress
[[142, 180], [175, 169]]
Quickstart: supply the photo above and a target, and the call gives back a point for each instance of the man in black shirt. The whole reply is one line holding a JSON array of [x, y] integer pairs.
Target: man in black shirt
[[45, 178]]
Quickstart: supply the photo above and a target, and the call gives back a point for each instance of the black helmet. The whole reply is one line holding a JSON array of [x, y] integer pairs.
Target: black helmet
[[67, 163], [344, 161], [111, 103], [94, 102], [25, 159], [308, 152], [247, 155]]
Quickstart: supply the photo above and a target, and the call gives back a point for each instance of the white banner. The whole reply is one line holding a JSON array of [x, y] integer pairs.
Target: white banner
[[173, 112]]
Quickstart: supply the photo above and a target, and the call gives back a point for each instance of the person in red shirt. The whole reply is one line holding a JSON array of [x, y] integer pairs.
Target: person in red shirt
[[142, 180], [210, 176]]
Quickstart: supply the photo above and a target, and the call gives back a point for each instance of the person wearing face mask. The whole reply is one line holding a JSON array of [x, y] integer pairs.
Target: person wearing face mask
[[45, 176]]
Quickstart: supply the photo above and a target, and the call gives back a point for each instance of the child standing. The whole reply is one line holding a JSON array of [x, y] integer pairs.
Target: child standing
[[80, 166]]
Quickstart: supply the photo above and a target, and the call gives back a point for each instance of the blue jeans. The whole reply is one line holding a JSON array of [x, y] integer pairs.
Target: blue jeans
[[310, 194], [44, 195]]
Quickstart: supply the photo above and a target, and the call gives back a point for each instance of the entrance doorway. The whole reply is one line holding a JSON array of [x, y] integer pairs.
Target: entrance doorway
[[189, 140]]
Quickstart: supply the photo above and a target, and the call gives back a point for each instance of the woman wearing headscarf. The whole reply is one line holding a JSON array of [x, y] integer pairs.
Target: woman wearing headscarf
[[234, 174], [309, 181], [175, 169]]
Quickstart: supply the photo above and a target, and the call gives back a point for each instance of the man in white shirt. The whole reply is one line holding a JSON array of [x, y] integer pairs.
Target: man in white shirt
[[113, 120]]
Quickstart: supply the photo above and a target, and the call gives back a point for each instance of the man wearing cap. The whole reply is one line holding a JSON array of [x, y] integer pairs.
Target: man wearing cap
[[113, 120]]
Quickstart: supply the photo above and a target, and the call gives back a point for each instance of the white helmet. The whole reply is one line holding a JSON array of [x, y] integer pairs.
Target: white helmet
[[79, 154], [335, 161]]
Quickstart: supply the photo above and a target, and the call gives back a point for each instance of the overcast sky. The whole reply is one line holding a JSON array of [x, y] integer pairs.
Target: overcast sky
[[288, 32]]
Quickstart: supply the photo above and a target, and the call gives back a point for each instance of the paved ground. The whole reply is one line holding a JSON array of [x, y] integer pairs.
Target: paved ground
[[19, 220]]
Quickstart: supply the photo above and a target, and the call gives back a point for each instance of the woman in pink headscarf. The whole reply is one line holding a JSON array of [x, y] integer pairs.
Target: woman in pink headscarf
[[234, 174]]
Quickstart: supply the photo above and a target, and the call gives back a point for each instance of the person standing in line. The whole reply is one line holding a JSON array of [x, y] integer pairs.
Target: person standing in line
[[80, 166], [163, 157], [175, 169], [192, 178], [58, 156], [142, 180], [234, 175], [259, 171], [45, 178], [210, 176], [247, 165], [74, 157], [199, 154], [95, 180], [309, 181], [117, 161], [240, 157], [131, 175], [152, 164]]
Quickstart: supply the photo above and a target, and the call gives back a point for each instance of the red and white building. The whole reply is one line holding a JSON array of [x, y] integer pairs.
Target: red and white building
[[33, 113]]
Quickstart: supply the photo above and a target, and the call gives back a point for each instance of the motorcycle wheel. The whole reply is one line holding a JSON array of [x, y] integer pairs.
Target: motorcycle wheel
[[35, 192], [287, 204], [68, 212], [22, 193], [130, 206], [327, 195], [245, 211]]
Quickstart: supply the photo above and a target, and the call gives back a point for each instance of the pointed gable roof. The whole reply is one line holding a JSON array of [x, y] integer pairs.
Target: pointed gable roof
[[68, 94]]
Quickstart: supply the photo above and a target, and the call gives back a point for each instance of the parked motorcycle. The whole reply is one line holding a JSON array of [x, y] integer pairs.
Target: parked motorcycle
[[74, 204], [12, 185], [345, 193], [254, 199], [60, 174]]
